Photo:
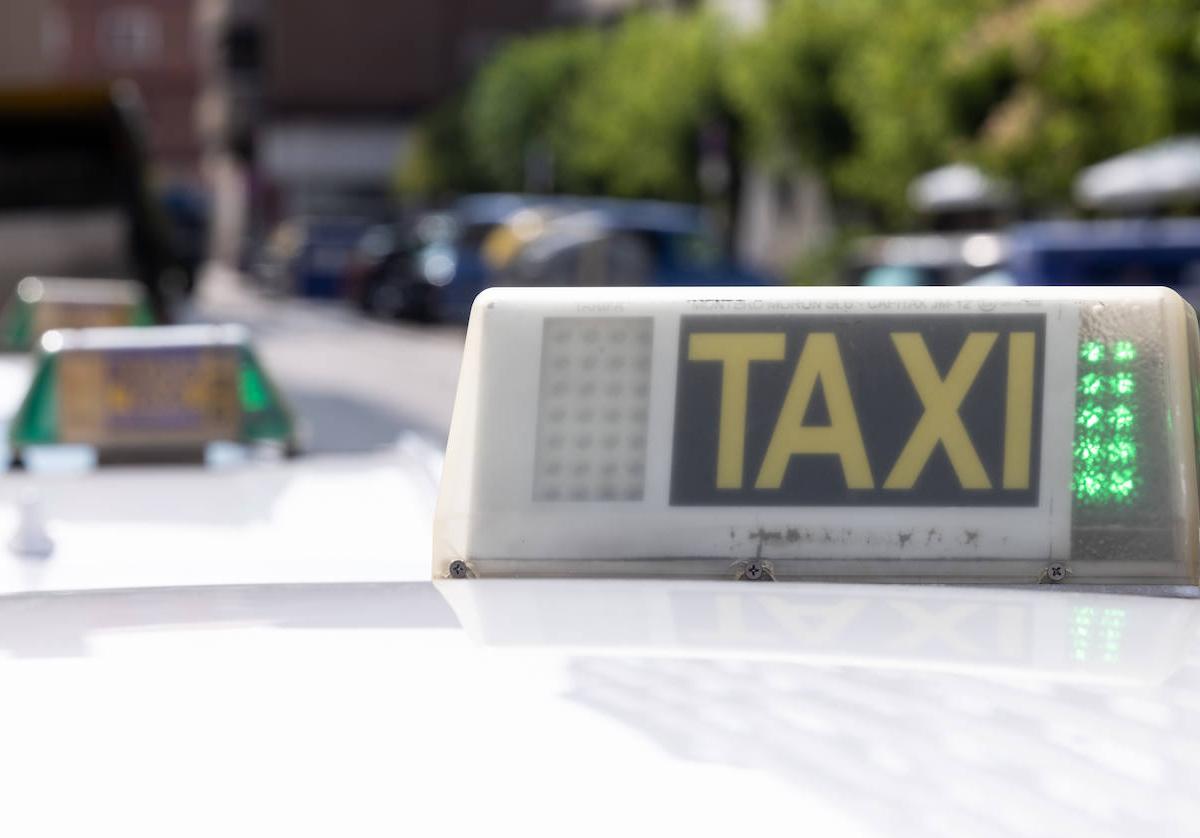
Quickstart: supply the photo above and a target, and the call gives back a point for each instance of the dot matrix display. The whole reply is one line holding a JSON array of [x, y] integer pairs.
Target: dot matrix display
[[1106, 418], [593, 409]]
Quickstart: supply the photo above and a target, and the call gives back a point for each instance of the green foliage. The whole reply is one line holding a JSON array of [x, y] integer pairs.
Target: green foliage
[[517, 103], [780, 80], [872, 93], [439, 162], [1088, 85], [632, 124], [897, 95], [825, 264], [866, 93]]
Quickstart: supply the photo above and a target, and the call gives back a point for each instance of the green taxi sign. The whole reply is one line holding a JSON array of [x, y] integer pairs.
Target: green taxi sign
[[154, 390], [1004, 435], [41, 304]]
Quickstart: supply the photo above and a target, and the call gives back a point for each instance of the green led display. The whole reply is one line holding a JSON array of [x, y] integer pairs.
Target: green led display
[[1106, 416], [1091, 384], [1123, 352]]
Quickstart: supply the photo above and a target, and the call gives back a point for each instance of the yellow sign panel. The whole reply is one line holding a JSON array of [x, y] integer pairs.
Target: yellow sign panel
[[49, 315], [128, 398], [882, 410]]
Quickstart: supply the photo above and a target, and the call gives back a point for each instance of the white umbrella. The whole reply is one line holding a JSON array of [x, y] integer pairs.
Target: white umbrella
[[957, 187], [1146, 177]]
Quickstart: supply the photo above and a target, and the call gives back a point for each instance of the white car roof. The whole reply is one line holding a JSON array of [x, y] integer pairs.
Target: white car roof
[[369, 709], [329, 519]]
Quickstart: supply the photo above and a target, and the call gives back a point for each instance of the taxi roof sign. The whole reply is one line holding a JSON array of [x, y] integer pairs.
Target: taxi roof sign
[[1004, 435], [161, 388], [41, 304]]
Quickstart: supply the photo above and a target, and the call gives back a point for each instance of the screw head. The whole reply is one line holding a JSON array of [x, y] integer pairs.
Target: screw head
[[458, 569], [754, 571], [1056, 572]]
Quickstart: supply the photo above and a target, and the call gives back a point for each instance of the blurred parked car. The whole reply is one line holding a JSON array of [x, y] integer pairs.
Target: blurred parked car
[[529, 240], [929, 259], [309, 256], [405, 271], [1119, 252], [386, 252]]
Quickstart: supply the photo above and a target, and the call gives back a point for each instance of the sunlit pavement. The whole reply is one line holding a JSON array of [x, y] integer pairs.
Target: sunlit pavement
[[356, 383]]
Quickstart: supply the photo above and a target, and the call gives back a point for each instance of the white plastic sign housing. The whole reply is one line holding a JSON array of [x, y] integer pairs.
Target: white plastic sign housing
[[1007, 435]]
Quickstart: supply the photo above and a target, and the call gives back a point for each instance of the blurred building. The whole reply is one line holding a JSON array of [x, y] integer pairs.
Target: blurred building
[[89, 42], [315, 100]]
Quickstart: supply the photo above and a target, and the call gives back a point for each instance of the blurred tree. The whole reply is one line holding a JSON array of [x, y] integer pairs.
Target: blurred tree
[[860, 92], [440, 163], [909, 109], [1088, 80], [632, 127], [515, 109], [780, 80], [866, 93]]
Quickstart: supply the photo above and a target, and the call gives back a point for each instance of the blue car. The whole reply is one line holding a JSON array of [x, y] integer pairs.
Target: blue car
[[309, 257], [532, 240], [1126, 252]]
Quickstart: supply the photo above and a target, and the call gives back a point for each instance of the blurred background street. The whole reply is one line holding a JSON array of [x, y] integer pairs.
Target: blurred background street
[[357, 383], [345, 178]]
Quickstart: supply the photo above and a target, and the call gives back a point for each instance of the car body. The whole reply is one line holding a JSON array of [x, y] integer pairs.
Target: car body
[[961, 258], [672, 244], [413, 278], [309, 256], [1114, 252], [706, 707], [263, 647], [621, 243], [1130, 251]]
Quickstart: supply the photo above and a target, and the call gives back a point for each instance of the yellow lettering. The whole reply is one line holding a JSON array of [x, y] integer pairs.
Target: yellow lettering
[[1018, 410], [941, 399], [735, 351], [821, 361]]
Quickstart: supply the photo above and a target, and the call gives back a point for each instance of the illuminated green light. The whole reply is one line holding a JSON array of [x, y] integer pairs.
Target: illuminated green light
[[1088, 448], [1105, 448], [1121, 418], [1121, 450], [1090, 416], [1123, 352], [1089, 485], [1091, 384], [1121, 483]]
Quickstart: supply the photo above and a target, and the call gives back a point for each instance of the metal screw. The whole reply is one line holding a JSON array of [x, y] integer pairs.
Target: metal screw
[[458, 569], [1056, 572], [754, 571]]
